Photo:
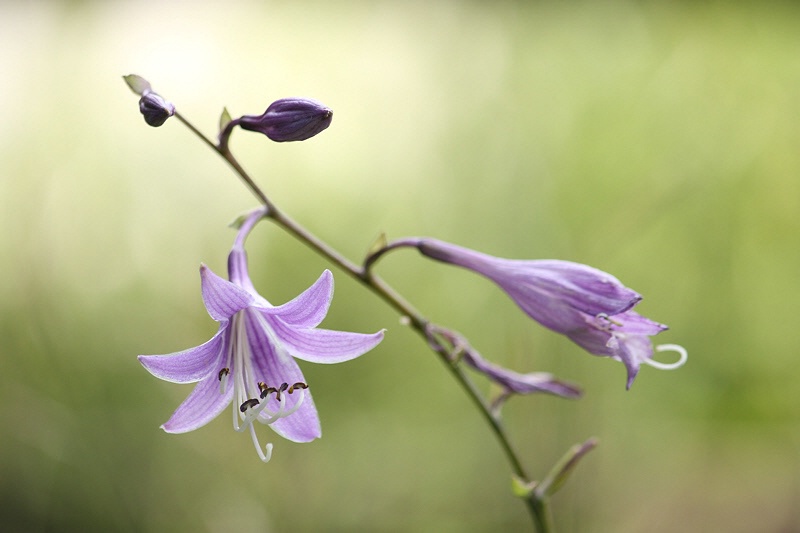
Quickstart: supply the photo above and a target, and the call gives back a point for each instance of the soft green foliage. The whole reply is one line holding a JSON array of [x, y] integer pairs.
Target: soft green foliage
[[659, 142]]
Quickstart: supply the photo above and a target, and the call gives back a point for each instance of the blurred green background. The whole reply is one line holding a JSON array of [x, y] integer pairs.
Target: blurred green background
[[657, 141]]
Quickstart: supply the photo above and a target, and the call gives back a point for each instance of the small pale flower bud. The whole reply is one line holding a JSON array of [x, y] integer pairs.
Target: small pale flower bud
[[155, 109], [290, 119]]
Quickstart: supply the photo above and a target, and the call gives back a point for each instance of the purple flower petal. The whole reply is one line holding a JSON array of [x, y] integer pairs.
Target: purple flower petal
[[324, 345], [200, 407], [552, 292], [303, 425], [625, 337], [222, 298], [237, 270], [309, 308], [189, 365], [556, 293]]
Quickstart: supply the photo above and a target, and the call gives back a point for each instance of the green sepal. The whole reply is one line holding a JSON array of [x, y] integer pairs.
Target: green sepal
[[138, 84], [224, 119]]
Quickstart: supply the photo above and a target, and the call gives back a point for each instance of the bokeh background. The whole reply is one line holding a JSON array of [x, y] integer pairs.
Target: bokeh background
[[657, 141]]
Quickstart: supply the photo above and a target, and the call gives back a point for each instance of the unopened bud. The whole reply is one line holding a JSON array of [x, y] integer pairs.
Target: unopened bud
[[290, 119], [155, 109]]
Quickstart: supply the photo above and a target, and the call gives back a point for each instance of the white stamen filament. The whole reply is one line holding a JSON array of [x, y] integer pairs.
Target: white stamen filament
[[223, 382], [268, 448], [282, 411], [684, 355]]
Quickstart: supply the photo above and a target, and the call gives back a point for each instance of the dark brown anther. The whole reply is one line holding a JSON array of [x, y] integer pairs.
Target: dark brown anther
[[279, 390], [265, 390], [224, 372], [298, 385], [252, 402]]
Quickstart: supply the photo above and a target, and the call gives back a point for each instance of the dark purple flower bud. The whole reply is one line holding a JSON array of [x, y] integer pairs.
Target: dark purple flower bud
[[155, 109], [290, 119]]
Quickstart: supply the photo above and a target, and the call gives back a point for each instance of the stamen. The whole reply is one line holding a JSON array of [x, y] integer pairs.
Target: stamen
[[272, 417], [297, 404], [298, 385], [268, 448], [282, 411], [684, 355], [223, 379], [252, 402], [265, 390], [282, 388], [604, 316]]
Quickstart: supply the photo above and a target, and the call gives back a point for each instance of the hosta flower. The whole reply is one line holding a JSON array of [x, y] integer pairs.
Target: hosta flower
[[250, 362], [587, 305]]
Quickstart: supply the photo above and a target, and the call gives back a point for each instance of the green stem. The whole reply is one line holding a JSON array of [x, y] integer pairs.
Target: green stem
[[537, 507]]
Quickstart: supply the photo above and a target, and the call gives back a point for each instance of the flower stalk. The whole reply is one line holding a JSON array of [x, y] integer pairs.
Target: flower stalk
[[537, 507], [589, 306]]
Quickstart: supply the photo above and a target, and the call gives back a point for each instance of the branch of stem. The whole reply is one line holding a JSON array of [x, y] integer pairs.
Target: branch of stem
[[438, 338]]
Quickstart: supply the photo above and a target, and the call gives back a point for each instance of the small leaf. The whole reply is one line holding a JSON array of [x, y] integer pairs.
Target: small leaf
[[138, 84], [224, 119], [378, 244], [238, 221], [561, 471]]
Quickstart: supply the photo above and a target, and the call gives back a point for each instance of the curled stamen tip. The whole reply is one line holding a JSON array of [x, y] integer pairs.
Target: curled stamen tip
[[684, 355], [298, 385], [267, 452], [279, 390], [252, 402], [224, 372]]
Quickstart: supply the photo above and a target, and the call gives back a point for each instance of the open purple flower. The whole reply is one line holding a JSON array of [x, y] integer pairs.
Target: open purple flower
[[250, 362], [591, 307]]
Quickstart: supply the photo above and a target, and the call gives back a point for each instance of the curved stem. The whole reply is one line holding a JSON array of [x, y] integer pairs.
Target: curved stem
[[536, 506]]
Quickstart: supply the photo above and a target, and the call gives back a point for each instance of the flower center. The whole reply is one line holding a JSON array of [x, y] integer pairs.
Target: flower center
[[253, 409], [250, 396]]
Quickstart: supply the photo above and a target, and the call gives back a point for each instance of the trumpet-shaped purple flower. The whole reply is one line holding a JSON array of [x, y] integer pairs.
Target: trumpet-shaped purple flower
[[250, 361], [587, 305]]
